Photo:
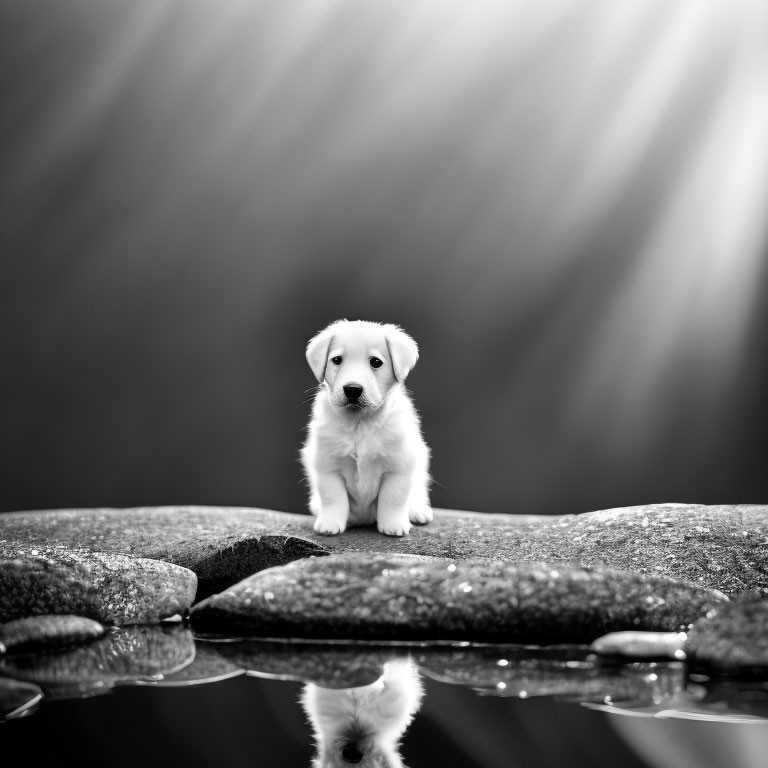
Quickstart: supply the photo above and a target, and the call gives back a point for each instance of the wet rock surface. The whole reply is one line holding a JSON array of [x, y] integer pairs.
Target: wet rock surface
[[127, 655], [111, 588], [401, 597], [40, 631]]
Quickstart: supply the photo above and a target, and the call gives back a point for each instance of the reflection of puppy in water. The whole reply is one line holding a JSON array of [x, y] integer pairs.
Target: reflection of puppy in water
[[364, 725]]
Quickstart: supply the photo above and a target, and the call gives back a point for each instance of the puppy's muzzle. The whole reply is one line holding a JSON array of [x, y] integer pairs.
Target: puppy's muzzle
[[352, 392]]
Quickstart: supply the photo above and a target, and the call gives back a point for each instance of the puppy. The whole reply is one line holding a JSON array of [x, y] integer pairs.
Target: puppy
[[365, 458], [364, 725]]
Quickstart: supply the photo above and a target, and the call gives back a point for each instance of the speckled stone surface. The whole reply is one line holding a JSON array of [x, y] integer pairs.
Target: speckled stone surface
[[42, 631], [121, 656], [221, 545], [402, 597], [722, 547], [732, 638], [107, 587]]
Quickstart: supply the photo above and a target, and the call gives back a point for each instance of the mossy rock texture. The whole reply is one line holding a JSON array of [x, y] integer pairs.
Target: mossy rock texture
[[407, 597]]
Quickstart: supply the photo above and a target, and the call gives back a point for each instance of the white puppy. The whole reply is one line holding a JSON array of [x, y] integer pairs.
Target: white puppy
[[365, 458], [364, 725]]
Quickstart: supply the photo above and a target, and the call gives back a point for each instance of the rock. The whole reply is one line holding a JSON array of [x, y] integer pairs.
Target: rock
[[719, 547], [221, 545], [732, 638], [41, 631], [124, 655], [17, 699], [642, 645], [109, 588], [402, 597]]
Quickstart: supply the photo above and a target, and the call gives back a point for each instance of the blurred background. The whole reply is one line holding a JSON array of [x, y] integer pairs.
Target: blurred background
[[566, 204]]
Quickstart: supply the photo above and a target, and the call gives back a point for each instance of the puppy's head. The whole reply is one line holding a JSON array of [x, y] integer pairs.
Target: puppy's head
[[360, 362]]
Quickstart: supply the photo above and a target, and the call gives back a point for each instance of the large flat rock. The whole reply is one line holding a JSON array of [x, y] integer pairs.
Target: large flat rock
[[110, 588], [222, 545], [721, 547], [406, 597]]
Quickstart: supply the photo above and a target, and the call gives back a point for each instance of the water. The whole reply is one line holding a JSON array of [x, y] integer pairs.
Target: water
[[157, 695]]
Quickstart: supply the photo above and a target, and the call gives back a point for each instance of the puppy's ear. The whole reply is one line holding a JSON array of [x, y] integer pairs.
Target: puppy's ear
[[403, 351], [317, 351]]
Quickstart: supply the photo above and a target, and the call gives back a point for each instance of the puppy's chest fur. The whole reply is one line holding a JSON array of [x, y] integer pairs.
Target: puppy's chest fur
[[363, 455], [363, 451]]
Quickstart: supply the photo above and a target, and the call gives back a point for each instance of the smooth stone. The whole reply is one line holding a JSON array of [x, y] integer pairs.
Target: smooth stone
[[719, 547], [111, 588], [642, 645], [121, 656], [222, 545], [42, 631], [406, 597], [17, 699]]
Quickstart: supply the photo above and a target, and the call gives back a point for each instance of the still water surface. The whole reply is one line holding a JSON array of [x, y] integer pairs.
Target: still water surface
[[159, 696]]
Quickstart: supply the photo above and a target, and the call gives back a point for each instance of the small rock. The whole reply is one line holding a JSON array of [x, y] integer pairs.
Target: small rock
[[402, 597], [41, 631], [110, 588]]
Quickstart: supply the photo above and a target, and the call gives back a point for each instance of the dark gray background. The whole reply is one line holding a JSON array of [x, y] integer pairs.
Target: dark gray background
[[563, 203]]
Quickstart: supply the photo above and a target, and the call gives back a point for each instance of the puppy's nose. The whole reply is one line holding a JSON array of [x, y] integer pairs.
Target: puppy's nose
[[352, 390]]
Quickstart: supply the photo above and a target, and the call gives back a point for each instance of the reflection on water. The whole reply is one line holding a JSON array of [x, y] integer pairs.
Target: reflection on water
[[364, 724], [359, 699]]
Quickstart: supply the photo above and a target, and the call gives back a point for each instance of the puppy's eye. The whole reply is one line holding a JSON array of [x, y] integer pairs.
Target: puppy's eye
[[376, 363], [336, 360]]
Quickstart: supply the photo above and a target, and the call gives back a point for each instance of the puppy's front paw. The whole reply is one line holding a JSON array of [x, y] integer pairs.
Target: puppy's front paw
[[329, 526], [421, 515], [394, 529]]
